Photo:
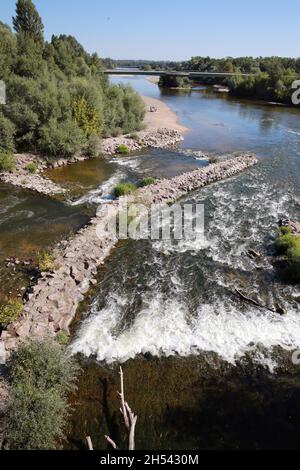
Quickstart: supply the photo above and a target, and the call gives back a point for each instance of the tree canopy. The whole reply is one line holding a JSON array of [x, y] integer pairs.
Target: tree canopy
[[57, 95]]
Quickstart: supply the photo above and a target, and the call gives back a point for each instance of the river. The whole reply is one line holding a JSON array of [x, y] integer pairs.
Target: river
[[202, 368]]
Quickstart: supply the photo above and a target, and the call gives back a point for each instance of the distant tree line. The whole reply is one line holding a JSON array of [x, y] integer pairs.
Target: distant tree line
[[271, 80], [58, 100]]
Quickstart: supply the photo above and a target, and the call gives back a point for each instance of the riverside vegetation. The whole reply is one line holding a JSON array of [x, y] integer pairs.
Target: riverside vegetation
[[288, 245], [58, 100], [271, 80]]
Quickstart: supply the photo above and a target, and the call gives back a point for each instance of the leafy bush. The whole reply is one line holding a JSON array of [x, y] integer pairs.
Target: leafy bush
[[135, 136], [7, 133], [148, 181], [63, 338], [288, 244], [41, 376], [7, 161], [32, 167], [61, 138], [123, 189], [92, 148], [57, 95], [123, 149], [284, 243], [285, 230], [45, 261], [10, 311]]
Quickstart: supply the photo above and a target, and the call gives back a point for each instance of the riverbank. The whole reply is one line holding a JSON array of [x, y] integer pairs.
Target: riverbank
[[22, 177], [163, 117], [52, 303]]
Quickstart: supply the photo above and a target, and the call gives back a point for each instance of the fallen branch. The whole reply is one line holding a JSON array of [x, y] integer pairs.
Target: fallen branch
[[130, 420], [252, 301]]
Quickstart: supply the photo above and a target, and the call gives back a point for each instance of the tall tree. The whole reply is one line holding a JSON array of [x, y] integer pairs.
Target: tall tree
[[28, 20]]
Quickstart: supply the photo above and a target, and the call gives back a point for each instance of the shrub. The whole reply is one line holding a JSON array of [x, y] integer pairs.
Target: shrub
[[63, 338], [288, 244], [123, 149], [123, 189], [41, 376], [7, 132], [45, 261], [92, 146], [284, 243], [10, 312], [135, 137], [7, 161], [61, 138], [285, 230], [148, 181], [32, 167]]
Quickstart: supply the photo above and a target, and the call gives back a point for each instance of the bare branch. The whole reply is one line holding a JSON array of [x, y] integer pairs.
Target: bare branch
[[122, 398], [111, 442], [90, 444]]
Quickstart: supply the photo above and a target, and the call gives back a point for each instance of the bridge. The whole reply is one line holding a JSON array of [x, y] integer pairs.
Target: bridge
[[175, 73]]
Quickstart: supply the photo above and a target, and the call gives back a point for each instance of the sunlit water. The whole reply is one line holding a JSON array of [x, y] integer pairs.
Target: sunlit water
[[203, 369], [167, 298]]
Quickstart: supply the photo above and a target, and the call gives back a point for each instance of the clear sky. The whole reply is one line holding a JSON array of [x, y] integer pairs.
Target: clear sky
[[173, 29]]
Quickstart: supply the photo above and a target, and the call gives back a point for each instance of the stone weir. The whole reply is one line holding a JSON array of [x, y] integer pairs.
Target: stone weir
[[52, 304]]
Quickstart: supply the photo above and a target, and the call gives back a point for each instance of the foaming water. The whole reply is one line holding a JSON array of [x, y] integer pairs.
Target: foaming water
[[178, 296], [102, 193], [165, 327]]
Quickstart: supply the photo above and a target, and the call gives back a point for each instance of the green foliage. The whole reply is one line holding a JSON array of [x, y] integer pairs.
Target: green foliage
[[45, 261], [285, 230], [123, 189], [92, 148], [284, 243], [28, 21], [63, 338], [7, 161], [135, 136], [171, 81], [57, 95], [10, 311], [123, 149], [41, 376], [148, 181], [86, 116], [288, 244], [32, 167], [8, 51], [7, 132], [61, 138]]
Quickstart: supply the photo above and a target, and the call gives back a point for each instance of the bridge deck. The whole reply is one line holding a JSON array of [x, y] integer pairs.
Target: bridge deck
[[174, 73]]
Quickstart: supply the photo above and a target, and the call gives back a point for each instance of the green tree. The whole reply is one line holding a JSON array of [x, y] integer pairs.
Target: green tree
[[28, 20]]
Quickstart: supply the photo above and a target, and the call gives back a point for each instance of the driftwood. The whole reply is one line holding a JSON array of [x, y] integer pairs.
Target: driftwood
[[130, 420], [252, 301]]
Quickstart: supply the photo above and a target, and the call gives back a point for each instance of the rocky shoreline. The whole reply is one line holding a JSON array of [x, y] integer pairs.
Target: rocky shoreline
[[53, 301], [21, 177]]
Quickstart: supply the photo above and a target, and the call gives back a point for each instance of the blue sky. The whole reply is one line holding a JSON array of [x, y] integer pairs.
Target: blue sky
[[173, 29]]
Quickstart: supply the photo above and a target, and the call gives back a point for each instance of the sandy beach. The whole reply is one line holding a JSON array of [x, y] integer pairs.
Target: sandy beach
[[164, 117]]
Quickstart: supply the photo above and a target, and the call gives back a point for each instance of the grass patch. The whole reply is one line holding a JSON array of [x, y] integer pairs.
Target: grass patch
[[45, 261], [7, 161], [148, 181], [32, 168], [10, 312], [123, 149], [63, 338], [123, 189]]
